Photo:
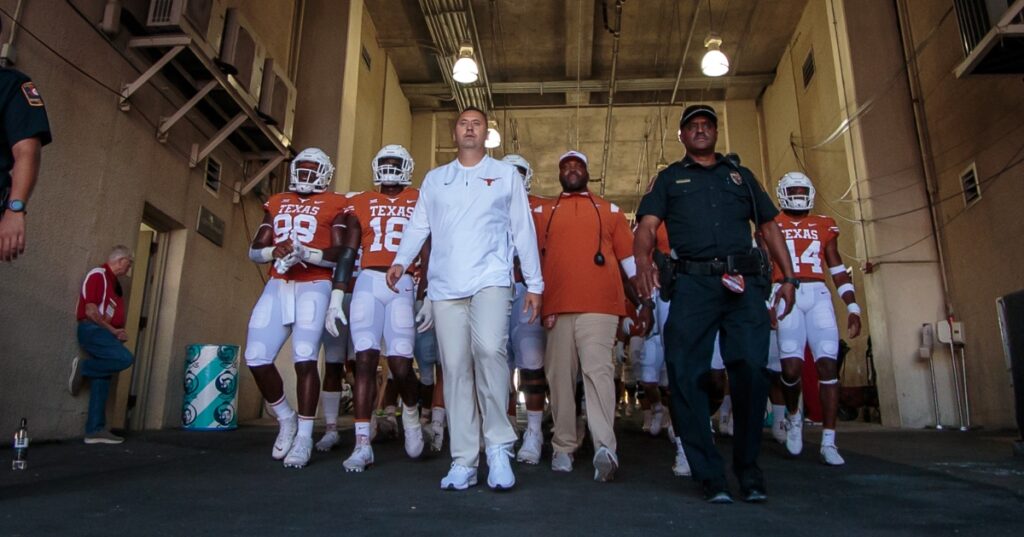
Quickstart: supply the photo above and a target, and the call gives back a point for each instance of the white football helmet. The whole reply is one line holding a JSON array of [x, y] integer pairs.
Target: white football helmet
[[390, 174], [523, 166], [792, 201], [307, 181]]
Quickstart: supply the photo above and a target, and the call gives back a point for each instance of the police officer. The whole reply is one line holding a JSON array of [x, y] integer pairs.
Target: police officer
[[707, 202], [25, 131]]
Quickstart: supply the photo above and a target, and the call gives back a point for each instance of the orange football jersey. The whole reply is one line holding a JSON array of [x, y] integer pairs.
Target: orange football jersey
[[307, 219], [806, 238], [382, 220]]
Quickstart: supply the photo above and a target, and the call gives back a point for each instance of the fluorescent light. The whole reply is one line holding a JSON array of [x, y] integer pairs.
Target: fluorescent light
[[714, 63]]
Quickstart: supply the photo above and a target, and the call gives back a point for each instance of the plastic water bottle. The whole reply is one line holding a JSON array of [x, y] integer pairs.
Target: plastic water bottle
[[20, 461]]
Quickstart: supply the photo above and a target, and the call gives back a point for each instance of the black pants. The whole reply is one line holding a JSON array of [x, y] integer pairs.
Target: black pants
[[701, 307]]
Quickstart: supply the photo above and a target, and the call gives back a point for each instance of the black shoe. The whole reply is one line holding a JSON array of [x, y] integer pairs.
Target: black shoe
[[755, 495], [716, 493]]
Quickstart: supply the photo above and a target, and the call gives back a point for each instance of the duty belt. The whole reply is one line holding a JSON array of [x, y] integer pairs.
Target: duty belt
[[731, 264]]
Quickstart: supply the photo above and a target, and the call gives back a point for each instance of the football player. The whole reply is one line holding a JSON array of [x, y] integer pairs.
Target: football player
[[427, 358], [375, 220], [813, 249], [526, 344], [301, 234]]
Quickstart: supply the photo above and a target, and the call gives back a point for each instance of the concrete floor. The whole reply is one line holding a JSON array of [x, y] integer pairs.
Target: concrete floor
[[225, 483]]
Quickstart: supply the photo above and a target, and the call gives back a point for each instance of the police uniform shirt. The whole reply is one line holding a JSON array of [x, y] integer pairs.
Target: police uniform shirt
[[707, 210], [23, 117]]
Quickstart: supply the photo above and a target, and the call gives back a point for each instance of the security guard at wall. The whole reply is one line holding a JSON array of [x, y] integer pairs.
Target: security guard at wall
[[25, 131], [720, 284]]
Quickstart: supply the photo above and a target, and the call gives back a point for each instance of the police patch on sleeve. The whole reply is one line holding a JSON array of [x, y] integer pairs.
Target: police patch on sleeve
[[736, 177], [32, 96]]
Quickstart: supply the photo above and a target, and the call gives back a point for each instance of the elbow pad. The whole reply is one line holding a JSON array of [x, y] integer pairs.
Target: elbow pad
[[261, 255], [346, 262]]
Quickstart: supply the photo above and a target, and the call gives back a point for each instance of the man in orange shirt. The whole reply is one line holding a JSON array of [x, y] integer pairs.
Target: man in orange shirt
[[581, 307]]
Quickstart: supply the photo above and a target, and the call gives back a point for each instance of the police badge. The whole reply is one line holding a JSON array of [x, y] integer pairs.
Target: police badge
[[736, 177]]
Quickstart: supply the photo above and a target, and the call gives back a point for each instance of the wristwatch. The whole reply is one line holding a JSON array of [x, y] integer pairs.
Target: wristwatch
[[16, 206], [794, 281]]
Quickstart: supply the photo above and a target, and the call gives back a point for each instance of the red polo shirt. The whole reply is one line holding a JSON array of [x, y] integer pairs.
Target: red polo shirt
[[100, 288]]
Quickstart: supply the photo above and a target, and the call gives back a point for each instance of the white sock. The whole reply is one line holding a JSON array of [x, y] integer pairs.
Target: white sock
[[657, 407], [331, 403], [828, 437], [306, 427], [437, 414], [362, 429], [533, 419], [390, 410], [778, 414], [794, 417], [410, 414], [283, 410], [726, 405]]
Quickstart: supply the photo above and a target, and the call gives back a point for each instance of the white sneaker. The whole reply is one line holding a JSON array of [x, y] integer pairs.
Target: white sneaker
[[499, 467], [779, 431], [459, 478], [529, 452], [725, 424], [414, 440], [285, 437], [605, 464], [657, 421], [561, 461], [794, 426], [298, 456], [681, 467], [436, 435], [361, 459], [647, 421], [830, 456], [328, 441]]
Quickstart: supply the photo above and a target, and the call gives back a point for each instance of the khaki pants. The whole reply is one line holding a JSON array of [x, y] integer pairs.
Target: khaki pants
[[591, 338], [472, 338]]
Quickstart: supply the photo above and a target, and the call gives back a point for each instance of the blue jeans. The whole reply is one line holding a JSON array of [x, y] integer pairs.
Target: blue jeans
[[107, 356]]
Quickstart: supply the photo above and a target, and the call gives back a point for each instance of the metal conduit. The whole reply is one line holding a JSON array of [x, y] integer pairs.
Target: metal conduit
[[606, 151]]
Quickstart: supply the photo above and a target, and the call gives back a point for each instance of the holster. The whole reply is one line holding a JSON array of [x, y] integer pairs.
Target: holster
[[666, 275]]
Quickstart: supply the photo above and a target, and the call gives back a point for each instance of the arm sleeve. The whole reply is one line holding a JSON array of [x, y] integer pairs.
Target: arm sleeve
[[622, 237], [92, 290], [655, 202], [524, 237], [766, 210], [23, 120], [417, 230]]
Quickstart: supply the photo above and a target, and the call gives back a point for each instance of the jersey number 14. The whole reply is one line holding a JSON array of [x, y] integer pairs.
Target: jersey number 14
[[810, 256]]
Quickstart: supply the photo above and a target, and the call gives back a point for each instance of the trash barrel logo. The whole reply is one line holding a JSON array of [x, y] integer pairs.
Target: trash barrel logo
[[211, 387]]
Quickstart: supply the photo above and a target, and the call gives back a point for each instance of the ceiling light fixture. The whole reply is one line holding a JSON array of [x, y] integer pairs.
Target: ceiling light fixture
[[465, 70], [493, 139], [714, 63]]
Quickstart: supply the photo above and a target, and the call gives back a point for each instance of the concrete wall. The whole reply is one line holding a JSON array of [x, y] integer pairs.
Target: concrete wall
[[853, 130], [543, 134], [103, 171], [976, 120]]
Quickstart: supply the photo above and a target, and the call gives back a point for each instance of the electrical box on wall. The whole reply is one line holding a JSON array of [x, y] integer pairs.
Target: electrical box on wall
[[950, 332], [210, 226]]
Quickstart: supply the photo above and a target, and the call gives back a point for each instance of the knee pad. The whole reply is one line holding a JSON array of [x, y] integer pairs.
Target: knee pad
[[789, 348], [256, 355], [427, 376]]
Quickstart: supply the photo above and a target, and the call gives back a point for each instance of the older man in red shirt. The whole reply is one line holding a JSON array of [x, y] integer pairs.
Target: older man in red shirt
[[101, 334], [584, 240]]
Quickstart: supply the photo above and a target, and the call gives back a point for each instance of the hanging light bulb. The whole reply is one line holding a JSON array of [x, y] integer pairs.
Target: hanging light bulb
[[714, 63], [465, 70], [493, 139]]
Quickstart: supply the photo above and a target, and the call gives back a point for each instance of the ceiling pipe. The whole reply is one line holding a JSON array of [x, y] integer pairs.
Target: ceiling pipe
[[617, 31], [451, 22]]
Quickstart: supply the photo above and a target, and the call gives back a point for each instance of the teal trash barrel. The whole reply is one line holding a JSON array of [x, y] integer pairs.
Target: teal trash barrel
[[211, 388]]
